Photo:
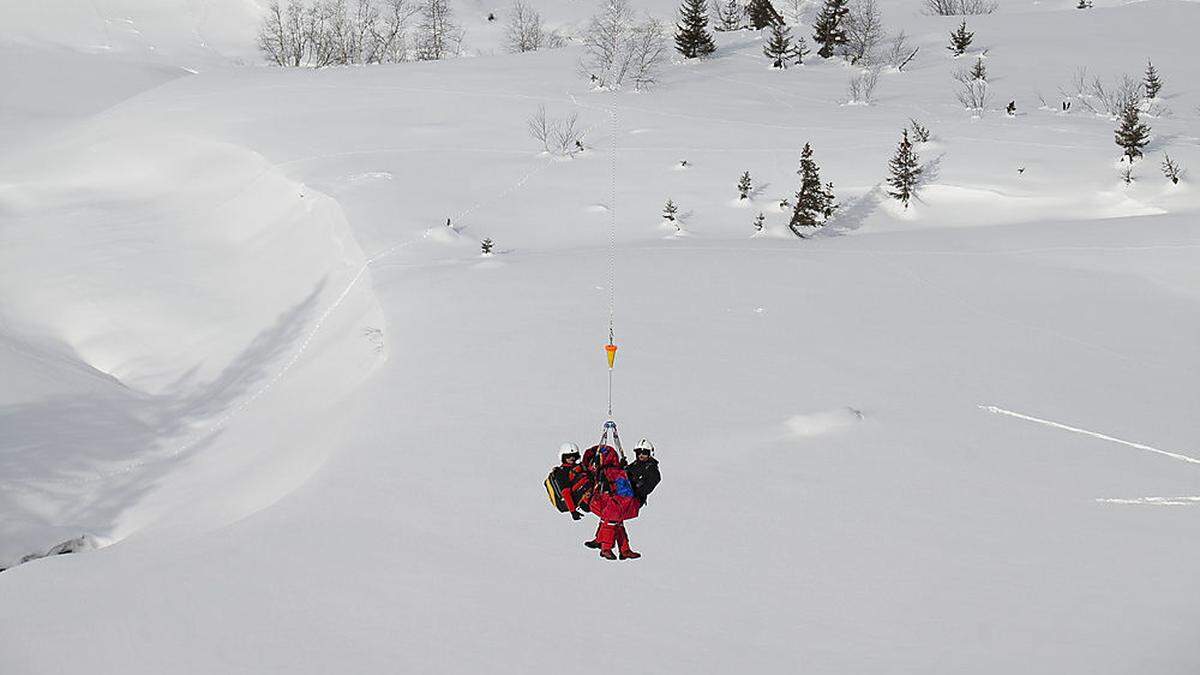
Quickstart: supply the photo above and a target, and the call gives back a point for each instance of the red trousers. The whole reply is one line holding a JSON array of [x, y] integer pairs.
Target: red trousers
[[609, 533]]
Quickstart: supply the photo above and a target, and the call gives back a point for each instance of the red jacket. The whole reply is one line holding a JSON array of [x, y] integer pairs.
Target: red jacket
[[613, 499]]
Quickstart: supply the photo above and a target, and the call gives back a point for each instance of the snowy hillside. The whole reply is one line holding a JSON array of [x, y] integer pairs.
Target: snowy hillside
[[294, 422]]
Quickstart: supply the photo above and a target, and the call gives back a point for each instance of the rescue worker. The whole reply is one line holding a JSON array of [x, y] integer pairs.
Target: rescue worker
[[573, 480], [613, 502], [643, 472]]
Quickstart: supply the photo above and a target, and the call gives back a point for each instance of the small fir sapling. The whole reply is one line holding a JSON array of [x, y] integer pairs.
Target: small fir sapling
[[1151, 84], [904, 171], [486, 246], [829, 28], [814, 201], [920, 133], [779, 46], [744, 186], [692, 39], [1011, 108], [784, 204], [1084, 4], [1171, 170], [669, 211], [978, 71], [1133, 134], [683, 163], [799, 50], [758, 222], [1127, 174], [960, 39]]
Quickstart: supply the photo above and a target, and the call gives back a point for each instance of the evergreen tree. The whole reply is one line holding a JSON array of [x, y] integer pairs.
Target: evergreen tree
[[978, 71], [960, 39], [762, 14], [760, 219], [744, 186], [691, 34], [799, 50], [904, 169], [1152, 84], [1133, 134], [814, 202], [486, 245], [1171, 170], [670, 210], [830, 31], [779, 46]]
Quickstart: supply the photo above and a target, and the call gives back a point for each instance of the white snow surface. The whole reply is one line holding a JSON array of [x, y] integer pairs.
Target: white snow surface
[[304, 423]]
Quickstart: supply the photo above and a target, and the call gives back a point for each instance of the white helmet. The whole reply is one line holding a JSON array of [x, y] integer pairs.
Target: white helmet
[[568, 449], [644, 445]]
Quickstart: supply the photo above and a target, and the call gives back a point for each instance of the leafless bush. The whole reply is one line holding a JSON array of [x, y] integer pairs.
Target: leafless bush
[[972, 93], [559, 136], [539, 127], [438, 36], [864, 32], [862, 87], [960, 7], [524, 32], [1110, 99], [565, 135], [614, 46], [335, 32], [899, 52], [648, 49]]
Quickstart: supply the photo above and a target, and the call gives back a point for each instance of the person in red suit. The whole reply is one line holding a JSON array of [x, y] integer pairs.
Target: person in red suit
[[613, 501]]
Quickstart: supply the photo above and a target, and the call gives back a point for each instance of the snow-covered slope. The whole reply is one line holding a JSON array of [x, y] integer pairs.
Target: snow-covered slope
[[862, 468]]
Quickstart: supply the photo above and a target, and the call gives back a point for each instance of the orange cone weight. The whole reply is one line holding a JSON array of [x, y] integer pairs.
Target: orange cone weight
[[611, 351]]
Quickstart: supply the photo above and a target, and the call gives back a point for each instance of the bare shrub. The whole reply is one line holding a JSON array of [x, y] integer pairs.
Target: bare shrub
[[561, 136], [972, 93], [565, 135], [960, 7], [438, 36], [864, 32], [614, 46], [862, 87], [335, 32], [1109, 99], [648, 51], [899, 52], [524, 32]]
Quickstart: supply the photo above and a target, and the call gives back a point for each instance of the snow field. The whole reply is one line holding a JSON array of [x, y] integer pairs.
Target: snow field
[[325, 418]]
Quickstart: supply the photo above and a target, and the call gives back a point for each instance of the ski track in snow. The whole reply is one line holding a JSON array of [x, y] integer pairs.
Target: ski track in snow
[[1145, 501], [1095, 434]]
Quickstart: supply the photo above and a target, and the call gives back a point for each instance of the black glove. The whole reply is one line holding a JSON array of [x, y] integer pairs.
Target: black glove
[[576, 515]]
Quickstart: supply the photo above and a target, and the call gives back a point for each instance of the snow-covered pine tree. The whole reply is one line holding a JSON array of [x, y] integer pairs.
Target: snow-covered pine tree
[[814, 202], [1171, 170], [1152, 84], [829, 28], [799, 49], [744, 186], [486, 246], [692, 39], [758, 222], [960, 39], [978, 71], [762, 14], [669, 211], [904, 171], [779, 46], [1133, 134]]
